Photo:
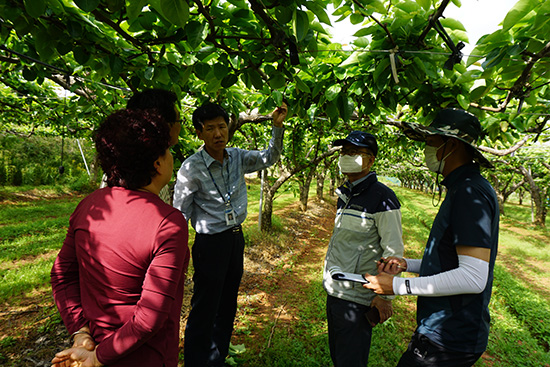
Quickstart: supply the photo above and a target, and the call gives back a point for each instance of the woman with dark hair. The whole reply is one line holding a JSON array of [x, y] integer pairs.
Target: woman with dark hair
[[118, 279]]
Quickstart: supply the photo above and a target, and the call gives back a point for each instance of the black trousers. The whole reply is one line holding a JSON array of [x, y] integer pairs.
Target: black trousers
[[349, 333], [422, 352], [218, 265]]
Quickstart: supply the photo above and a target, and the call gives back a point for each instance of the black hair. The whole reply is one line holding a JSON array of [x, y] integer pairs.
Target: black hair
[[128, 143], [208, 111], [161, 100]]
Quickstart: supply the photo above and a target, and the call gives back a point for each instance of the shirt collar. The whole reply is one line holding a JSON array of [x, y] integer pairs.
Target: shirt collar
[[208, 160], [457, 174], [357, 186], [357, 182]]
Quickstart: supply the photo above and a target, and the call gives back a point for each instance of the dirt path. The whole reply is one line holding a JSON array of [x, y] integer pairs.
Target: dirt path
[[269, 297]]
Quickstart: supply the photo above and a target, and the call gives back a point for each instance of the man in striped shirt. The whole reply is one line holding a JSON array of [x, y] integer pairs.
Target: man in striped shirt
[[211, 192]]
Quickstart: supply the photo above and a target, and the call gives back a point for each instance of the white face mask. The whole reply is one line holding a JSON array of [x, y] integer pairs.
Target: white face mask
[[430, 156], [350, 163]]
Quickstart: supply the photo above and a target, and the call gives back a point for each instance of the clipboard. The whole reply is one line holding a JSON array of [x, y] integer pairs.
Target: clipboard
[[358, 278]]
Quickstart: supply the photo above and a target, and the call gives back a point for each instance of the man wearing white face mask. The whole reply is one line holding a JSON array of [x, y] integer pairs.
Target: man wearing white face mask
[[367, 227], [456, 272]]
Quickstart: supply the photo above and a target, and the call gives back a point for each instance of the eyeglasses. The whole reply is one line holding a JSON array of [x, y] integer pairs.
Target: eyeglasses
[[354, 152]]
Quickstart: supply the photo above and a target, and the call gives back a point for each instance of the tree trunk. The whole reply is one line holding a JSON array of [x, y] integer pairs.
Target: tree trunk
[[540, 209], [267, 210], [283, 177], [304, 185], [320, 185]]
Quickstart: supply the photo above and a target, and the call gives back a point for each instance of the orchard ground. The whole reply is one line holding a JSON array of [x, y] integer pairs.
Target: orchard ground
[[281, 320]]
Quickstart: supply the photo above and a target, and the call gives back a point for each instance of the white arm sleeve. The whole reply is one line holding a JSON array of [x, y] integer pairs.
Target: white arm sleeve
[[413, 265], [470, 277]]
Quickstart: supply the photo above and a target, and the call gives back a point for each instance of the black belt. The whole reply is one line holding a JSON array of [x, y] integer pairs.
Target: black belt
[[235, 230]]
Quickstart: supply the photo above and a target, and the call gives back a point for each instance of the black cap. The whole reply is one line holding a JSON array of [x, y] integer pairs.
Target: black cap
[[360, 139]]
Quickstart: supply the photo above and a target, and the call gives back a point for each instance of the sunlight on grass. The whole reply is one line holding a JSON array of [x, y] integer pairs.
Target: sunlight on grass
[[26, 277]]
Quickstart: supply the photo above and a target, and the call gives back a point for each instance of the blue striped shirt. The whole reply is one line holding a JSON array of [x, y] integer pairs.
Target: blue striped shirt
[[204, 185]]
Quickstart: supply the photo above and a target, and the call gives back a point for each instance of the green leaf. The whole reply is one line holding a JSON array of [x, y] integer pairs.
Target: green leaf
[[116, 64], [452, 24], [378, 6], [147, 20], [176, 11], [81, 55], [186, 74], [87, 5], [220, 70], [361, 42], [478, 93], [45, 46], [115, 5], [516, 14], [174, 73], [382, 66], [283, 14], [149, 72], [363, 32], [277, 80], [517, 48], [463, 101], [201, 70], [75, 29], [35, 8], [425, 4], [194, 31], [300, 24], [468, 76], [494, 58], [345, 106], [255, 79], [301, 86], [351, 60], [134, 8], [229, 80], [318, 11], [318, 87], [64, 48], [277, 97], [407, 6], [56, 6], [332, 92], [541, 19], [331, 110], [29, 74], [356, 18]]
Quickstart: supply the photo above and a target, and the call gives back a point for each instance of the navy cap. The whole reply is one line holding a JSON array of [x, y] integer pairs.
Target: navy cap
[[360, 139]]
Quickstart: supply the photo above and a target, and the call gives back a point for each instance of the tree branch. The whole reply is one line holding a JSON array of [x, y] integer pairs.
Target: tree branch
[[504, 152], [357, 3], [521, 86], [431, 20]]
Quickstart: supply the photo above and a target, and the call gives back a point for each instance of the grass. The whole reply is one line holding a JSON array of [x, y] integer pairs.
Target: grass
[[294, 333], [30, 237]]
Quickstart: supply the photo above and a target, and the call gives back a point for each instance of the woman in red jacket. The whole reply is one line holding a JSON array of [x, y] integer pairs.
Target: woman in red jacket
[[118, 279]]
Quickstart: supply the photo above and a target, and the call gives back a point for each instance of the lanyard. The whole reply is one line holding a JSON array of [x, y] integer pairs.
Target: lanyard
[[228, 202]]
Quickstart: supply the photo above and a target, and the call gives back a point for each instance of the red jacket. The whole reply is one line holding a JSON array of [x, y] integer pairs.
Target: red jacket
[[121, 270]]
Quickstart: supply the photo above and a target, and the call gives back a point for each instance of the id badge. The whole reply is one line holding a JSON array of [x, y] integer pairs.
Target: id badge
[[230, 218]]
